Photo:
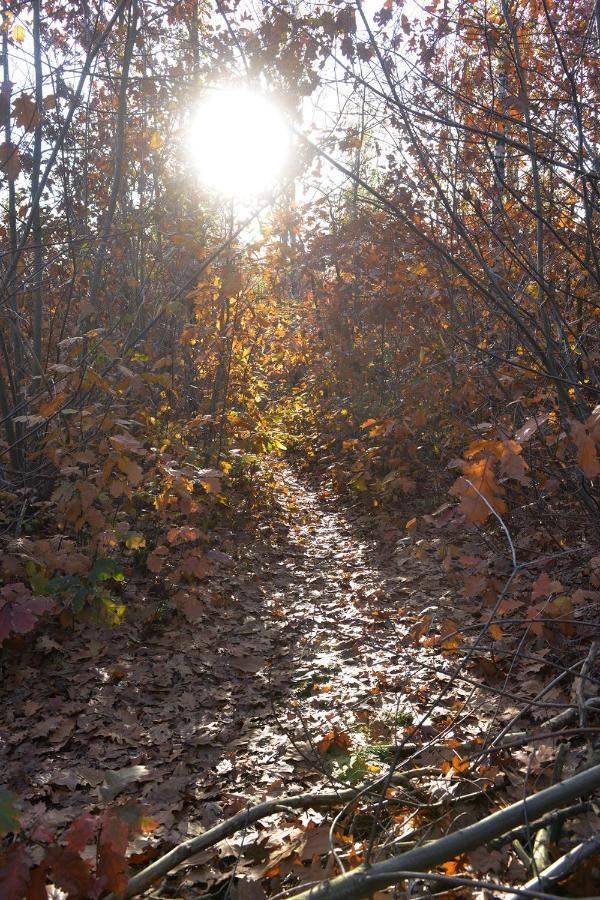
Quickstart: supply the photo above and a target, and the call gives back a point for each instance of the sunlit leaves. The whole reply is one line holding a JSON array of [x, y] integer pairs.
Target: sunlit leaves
[[334, 741], [18, 33], [210, 479], [479, 490], [117, 780], [134, 540]]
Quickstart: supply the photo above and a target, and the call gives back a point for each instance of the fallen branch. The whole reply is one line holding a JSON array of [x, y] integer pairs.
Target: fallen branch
[[581, 682], [524, 832], [362, 881], [562, 867], [242, 820], [541, 857]]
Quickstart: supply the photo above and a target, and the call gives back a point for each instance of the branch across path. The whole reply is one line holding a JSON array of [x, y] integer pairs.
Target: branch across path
[[362, 881]]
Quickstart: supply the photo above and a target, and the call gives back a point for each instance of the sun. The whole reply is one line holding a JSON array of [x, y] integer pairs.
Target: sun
[[239, 142]]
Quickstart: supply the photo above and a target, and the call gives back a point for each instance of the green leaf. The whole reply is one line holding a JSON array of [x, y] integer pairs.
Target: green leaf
[[37, 577], [106, 569], [9, 814]]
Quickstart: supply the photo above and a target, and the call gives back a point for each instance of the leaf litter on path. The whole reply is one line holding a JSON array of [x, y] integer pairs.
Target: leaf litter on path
[[304, 666]]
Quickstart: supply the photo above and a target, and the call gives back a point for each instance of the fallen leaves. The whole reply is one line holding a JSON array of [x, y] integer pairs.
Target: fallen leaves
[[346, 648]]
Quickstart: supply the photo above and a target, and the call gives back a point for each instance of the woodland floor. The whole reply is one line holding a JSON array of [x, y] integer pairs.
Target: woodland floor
[[307, 664]]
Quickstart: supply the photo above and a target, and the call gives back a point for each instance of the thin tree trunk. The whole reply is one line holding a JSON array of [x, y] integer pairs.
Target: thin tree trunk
[[35, 181], [14, 376], [119, 156], [12, 223]]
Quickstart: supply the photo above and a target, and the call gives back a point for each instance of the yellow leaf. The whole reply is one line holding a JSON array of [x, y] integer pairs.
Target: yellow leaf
[[18, 33], [135, 540], [112, 612]]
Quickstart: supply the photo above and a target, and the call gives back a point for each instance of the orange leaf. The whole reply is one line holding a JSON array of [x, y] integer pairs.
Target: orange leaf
[[496, 632], [481, 486]]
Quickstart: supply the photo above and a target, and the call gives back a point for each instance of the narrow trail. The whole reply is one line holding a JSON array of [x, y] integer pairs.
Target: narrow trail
[[351, 604], [303, 647]]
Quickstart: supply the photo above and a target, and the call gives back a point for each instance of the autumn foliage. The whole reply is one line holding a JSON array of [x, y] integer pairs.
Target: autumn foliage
[[412, 317]]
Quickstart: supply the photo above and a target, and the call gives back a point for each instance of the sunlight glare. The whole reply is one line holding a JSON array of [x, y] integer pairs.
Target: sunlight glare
[[239, 142]]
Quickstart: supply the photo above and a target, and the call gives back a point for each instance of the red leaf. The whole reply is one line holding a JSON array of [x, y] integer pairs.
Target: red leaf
[[23, 619], [81, 832], [19, 610], [71, 873], [37, 885], [14, 873], [112, 864]]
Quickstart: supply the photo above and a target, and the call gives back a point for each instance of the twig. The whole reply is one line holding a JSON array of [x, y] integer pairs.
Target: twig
[[580, 683], [451, 881], [513, 552], [559, 764]]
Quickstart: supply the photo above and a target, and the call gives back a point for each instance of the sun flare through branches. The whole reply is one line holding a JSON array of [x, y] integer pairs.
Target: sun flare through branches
[[239, 142]]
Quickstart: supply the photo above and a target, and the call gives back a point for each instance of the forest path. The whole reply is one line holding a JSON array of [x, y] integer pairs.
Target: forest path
[[352, 601], [301, 656]]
